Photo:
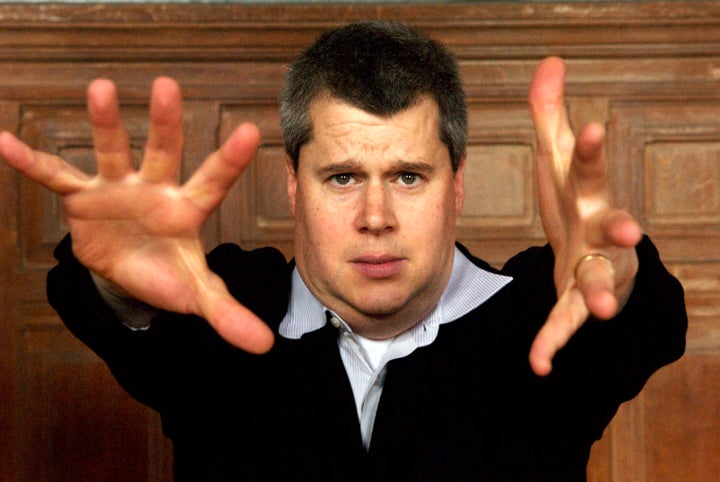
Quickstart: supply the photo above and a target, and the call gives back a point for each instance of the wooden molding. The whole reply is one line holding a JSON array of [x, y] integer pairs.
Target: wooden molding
[[158, 32]]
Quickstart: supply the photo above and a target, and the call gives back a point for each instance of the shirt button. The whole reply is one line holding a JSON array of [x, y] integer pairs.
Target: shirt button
[[335, 322]]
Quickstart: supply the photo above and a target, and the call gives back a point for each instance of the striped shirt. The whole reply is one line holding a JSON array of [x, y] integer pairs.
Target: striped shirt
[[366, 360]]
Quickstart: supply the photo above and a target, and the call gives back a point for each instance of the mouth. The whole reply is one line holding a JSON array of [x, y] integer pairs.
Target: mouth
[[378, 267]]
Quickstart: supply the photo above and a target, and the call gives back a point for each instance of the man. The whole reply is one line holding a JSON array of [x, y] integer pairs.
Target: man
[[385, 350]]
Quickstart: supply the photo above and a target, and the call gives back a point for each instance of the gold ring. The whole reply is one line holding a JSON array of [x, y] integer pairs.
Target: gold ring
[[590, 257]]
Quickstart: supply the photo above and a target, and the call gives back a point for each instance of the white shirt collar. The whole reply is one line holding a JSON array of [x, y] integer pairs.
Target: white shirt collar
[[469, 287]]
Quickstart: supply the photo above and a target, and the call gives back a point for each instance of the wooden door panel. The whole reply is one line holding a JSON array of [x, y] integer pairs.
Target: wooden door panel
[[664, 446], [68, 431], [63, 131], [666, 165], [72, 420], [675, 448]]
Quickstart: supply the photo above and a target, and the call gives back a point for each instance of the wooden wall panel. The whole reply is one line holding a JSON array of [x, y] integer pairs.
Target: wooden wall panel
[[500, 211], [8, 333], [256, 210], [201, 126], [649, 71], [670, 173]]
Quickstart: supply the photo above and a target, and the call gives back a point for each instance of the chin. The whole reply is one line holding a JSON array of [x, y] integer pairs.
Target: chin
[[378, 312]]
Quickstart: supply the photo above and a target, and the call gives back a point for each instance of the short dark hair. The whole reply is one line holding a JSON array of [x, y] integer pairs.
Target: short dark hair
[[381, 67]]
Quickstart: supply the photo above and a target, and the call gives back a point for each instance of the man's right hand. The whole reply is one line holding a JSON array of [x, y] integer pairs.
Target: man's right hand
[[139, 229]]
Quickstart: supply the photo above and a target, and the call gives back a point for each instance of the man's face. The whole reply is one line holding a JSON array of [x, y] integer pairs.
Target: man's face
[[375, 202]]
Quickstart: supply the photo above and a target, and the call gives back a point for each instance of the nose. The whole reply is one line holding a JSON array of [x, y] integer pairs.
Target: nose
[[377, 214]]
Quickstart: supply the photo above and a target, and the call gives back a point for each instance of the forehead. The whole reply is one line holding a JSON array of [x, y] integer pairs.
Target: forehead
[[337, 124]]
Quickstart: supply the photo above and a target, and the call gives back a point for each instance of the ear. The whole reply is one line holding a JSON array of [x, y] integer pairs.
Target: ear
[[291, 184], [459, 186]]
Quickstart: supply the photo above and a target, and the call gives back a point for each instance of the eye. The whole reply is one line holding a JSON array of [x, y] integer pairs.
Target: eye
[[408, 178], [341, 179]]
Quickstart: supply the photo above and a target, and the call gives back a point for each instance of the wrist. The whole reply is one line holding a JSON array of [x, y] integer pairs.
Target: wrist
[[132, 312]]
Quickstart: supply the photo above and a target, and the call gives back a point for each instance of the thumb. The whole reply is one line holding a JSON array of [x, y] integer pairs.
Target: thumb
[[234, 322], [564, 320]]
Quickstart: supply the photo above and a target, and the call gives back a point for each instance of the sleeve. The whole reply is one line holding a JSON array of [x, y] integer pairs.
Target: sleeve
[[607, 362], [180, 359]]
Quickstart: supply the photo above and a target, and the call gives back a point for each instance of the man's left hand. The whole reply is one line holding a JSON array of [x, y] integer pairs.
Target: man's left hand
[[593, 242]]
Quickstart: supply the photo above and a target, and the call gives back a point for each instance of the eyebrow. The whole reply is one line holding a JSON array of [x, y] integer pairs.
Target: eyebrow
[[415, 166], [340, 167], [399, 166]]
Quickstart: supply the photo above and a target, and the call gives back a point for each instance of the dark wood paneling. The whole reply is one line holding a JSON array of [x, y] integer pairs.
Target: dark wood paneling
[[649, 70]]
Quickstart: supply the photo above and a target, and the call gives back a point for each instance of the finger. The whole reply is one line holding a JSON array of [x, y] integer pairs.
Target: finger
[[589, 166], [566, 317], [112, 146], [554, 144], [163, 150], [549, 116], [615, 233], [211, 182], [240, 327], [613, 228], [595, 277], [590, 146], [50, 171], [235, 323], [588, 177]]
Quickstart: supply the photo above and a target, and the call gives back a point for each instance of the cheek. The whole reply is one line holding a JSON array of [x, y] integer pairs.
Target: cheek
[[318, 218], [436, 218], [317, 230]]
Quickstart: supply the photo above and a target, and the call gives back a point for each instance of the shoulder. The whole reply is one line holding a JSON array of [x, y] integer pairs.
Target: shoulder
[[539, 259], [531, 270]]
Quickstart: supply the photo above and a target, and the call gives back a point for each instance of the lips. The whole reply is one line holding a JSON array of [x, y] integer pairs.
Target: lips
[[378, 267]]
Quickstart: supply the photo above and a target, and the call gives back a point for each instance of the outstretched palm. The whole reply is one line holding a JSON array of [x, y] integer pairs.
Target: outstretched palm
[[139, 229]]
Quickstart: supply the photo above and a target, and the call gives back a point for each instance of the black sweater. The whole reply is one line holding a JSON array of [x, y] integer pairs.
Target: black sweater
[[466, 407]]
